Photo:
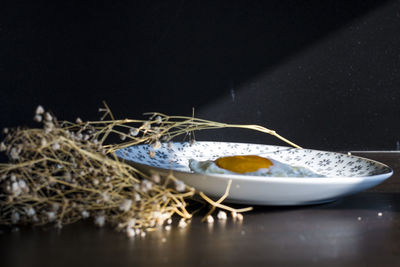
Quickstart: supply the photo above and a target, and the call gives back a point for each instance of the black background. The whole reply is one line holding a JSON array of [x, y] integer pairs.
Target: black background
[[325, 74]]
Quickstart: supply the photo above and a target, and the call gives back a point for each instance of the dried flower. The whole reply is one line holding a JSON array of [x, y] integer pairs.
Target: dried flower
[[37, 118], [3, 147], [157, 145], [133, 131], [16, 190], [85, 214], [125, 205], [14, 154], [30, 211], [156, 178], [179, 186], [55, 206], [55, 146], [152, 154], [105, 197], [234, 214], [137, 197], [146, 185], [39, 110], [130, 232], [146, 125], [15, 217], [100, 220], [48, 116], [182, 223], [43, 142], [131, 222], [222, 215], [51, 215], [64, 171]]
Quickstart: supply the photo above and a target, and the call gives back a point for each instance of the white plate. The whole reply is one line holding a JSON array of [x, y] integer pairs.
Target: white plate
[[344, 174]]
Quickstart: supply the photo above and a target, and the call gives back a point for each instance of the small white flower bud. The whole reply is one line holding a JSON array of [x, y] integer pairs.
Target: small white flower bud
[[55, 146], [85, 214], [100, 220], [180, 186], [234, 214], [147, 185], [130, 232], [14, 154], [157, 145], [105, 196], [22, 184], [125, 205], [131, 222], [156, 178], [55, 206], [133, 132], [30, 212], [137, 197], [51, 215], [37, 118], [15, 217], [16, 190], [182, 223], [48, 116], [3, 147], [158, 119], [222, 215], [210, 219], [43, 142], [39, 110], [152, 154]]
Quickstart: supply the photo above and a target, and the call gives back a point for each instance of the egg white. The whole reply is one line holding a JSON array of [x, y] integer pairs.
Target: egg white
[[278, 169]]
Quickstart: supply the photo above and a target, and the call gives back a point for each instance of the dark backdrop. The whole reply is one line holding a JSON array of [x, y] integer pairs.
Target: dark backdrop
[[325, 74]]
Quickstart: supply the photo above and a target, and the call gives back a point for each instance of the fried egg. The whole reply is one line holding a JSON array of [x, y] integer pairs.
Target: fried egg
[[249, 165]]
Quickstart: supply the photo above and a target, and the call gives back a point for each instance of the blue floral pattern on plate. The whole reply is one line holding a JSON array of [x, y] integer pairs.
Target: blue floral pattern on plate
[[176, 156]]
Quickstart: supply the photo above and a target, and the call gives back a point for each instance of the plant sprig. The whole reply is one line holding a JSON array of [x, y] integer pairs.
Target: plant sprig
[[65, 172]]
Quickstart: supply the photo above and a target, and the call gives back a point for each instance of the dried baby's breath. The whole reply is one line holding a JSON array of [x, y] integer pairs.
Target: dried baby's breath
[[65, 172]]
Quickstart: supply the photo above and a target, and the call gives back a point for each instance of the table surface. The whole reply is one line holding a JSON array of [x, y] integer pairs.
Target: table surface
[[347, 232]]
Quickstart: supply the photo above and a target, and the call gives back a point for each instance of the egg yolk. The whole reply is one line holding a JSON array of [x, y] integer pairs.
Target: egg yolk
[[243, 164]]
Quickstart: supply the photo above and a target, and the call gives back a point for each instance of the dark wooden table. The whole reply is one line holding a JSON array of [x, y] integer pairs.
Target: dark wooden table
[[359, 230]]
